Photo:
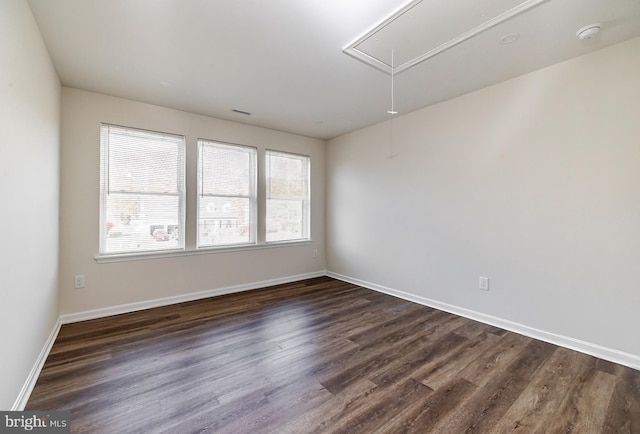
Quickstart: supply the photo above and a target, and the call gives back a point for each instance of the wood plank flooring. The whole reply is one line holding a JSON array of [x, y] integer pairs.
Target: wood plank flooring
[[324, 356]]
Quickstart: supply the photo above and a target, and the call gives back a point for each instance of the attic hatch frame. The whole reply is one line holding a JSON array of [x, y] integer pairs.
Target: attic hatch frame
[[353, 50]]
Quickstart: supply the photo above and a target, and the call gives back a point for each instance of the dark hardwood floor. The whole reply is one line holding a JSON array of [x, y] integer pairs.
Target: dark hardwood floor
[[324, 356]]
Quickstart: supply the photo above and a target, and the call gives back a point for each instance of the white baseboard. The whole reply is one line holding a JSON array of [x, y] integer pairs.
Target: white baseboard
[[612, 355], [28, 386], [30, 383], [599, 351], [148, 304]]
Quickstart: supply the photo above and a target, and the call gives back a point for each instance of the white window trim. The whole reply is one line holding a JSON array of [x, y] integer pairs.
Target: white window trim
[[125, 257], [306, 221], [103, 189], [258, 216], [253, 197]]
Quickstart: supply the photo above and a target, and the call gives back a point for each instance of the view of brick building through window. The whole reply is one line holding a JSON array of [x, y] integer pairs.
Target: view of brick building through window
[[142, 194], [287, 196], [143, 201]]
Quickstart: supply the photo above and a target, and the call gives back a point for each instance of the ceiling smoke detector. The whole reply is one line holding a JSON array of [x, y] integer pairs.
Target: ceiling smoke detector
[[588, 32]]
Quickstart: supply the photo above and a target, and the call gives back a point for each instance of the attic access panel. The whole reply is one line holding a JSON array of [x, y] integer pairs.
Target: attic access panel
[[422, 29]]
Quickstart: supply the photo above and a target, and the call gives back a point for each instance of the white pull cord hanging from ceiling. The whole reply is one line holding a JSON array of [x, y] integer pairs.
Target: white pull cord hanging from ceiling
[[392, 111]]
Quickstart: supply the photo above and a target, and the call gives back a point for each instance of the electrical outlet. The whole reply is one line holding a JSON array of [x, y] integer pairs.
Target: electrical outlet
[[483, 283], [78, 281], [315, 253]]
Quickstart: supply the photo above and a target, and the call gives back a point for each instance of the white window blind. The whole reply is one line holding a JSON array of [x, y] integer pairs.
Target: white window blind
[[287, 196], [142, 190], [226, 194]]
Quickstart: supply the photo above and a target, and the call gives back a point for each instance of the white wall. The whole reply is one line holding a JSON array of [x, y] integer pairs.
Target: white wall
[[534, 182], [29, 172], [113, 284]]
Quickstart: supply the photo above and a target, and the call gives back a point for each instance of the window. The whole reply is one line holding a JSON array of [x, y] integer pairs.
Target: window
[[142, 190], [226, 194], [287, 196]]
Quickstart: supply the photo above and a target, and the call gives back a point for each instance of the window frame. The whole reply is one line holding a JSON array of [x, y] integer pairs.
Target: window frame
[[189, 238], [253, 193], [105, 191], [306, 205]]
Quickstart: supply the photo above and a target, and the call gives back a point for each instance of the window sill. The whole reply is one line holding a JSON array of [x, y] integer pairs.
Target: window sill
[[125, 257]]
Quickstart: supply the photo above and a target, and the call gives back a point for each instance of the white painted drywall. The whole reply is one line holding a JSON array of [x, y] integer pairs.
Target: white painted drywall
[[29, 173], [113, 284], [534, 182]]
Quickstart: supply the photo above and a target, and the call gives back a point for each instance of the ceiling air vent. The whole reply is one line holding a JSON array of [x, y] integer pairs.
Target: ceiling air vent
[[242, 112]]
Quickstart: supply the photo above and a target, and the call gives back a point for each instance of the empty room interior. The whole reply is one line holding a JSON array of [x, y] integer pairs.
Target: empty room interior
[[321, 216]]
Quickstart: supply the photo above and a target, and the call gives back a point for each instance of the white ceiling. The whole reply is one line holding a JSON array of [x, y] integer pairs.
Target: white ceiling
[[282, 60]]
